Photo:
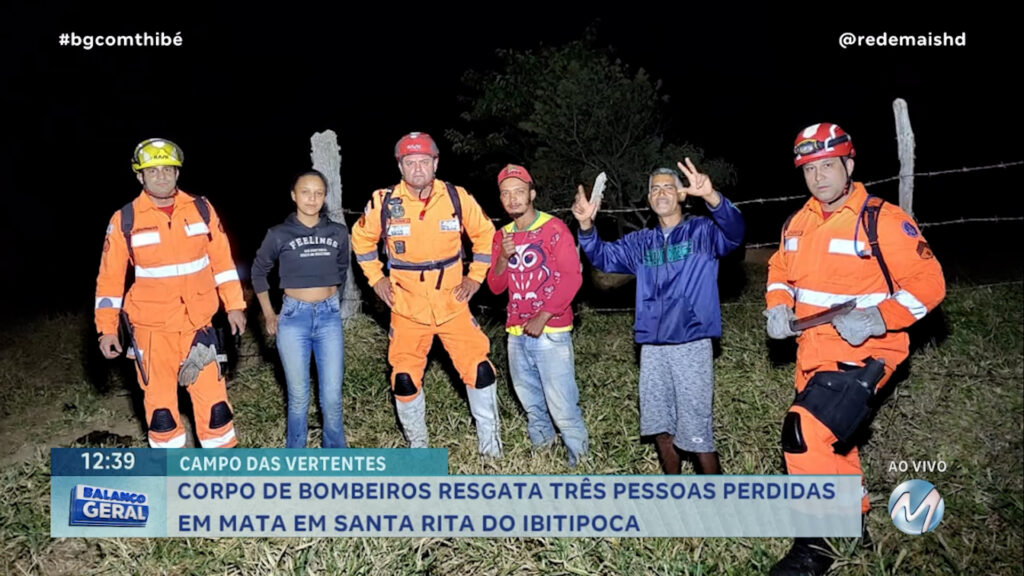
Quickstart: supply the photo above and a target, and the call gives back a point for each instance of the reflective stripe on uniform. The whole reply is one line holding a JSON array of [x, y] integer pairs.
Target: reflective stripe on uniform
[[841, 246], [226, 276], [219, 441], [176, 442], [107, 302], [912, 304], [779, 286], [828, 299], [145, 239], [172, 270], [196, 229]]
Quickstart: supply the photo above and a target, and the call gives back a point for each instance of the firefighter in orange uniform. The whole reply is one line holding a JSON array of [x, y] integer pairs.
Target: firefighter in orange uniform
[[842, 245], [422, 220], [182, 263]]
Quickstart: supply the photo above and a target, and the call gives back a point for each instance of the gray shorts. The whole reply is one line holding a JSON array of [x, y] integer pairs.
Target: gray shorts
[[676, 389]]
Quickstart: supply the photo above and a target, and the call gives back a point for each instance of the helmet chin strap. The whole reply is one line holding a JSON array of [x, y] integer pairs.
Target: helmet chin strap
[[849, 178]]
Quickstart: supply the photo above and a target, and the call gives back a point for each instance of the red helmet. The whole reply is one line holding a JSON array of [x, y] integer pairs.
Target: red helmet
[[415, 143], [825, 140]]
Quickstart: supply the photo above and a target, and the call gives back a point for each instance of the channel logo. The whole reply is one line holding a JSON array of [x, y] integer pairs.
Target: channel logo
[[94, 506], [916, 507]]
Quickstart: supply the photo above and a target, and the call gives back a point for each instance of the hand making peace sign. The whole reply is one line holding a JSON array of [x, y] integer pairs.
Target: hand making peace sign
[[700, 185]]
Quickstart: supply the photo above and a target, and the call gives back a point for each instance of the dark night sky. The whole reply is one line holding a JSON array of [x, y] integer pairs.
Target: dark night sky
[[246, 90]]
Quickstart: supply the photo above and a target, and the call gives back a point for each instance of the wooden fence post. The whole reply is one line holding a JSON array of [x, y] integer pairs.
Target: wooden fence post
[[905, 140], [326, 156]]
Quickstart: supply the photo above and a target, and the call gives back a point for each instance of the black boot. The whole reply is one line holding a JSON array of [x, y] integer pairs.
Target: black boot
[[807, 557]]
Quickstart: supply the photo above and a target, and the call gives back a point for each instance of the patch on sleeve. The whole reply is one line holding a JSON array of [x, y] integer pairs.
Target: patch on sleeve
[[110, 228], [909, 229], [924, 251]]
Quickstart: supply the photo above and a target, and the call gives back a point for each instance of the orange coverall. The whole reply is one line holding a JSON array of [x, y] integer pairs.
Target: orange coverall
[[817, 266], [181, 266], [424, 246], [424, 304]]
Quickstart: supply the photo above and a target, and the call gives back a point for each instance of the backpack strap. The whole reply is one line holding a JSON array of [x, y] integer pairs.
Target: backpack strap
[[203, 206], [869, 218], [785, 226], [127, 222], [453, 193], [385, 215], [456, 201]]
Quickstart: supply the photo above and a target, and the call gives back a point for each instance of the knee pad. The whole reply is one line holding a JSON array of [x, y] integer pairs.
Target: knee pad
[[220, 415], [162, 421], [792, 434], [484, 375], [405, 388]]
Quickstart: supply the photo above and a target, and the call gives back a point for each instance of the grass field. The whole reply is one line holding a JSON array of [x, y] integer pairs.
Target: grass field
[[962, 404]]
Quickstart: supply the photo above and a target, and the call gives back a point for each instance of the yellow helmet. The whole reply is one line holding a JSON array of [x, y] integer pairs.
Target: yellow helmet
[[156, 152]]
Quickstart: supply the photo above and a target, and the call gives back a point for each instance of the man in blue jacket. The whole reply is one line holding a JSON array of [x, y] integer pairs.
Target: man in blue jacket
[[677, 309]]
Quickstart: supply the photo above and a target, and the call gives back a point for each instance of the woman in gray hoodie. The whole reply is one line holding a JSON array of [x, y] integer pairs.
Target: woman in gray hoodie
[[312, 254]]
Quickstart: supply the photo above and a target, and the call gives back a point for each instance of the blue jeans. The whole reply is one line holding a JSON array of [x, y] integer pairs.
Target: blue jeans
[[544, 376], [304, 327]]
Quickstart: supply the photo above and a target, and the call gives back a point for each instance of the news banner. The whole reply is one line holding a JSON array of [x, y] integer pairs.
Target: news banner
[[408, 493]]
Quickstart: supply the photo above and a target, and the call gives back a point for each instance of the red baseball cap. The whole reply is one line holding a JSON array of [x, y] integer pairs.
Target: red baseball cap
[[514, 171]]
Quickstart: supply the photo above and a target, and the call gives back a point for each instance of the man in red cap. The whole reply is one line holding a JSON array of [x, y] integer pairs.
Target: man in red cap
[[535, 259], [421, 220], [842, 245]]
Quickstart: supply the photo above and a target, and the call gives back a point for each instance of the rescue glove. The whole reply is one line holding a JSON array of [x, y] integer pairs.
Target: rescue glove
[[198, 357], [860, 324], [779, 318]]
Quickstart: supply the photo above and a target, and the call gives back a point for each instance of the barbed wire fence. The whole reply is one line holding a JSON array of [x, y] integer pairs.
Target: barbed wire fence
[[803, 197], [905, 178], [1001, 165]]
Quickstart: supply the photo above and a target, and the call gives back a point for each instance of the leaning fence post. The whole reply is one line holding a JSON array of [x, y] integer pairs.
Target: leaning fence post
[[326, 156], [905, 141]]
